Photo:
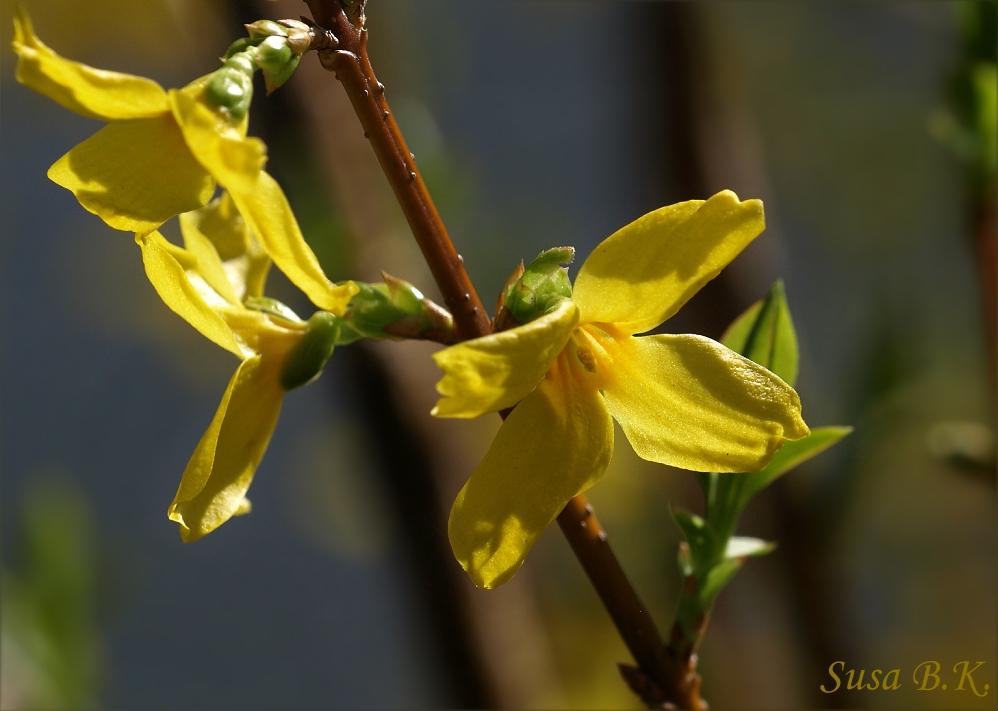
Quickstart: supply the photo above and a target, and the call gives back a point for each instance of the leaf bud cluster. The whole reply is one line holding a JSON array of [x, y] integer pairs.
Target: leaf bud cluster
[[395, 309], [533, 291]]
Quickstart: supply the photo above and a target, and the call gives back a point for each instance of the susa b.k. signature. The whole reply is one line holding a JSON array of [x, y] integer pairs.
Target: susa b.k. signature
[[926, 678]]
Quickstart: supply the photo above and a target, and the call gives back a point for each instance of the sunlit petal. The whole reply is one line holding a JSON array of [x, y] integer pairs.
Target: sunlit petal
[[555, 444], [166, 266], [259, 332], [497, 371], [220, 145], [643, 273], [689, 402], [244, 261], [210, 265], [267, 212], [219, 473], [135, 175], [237, 163], [94, 93]]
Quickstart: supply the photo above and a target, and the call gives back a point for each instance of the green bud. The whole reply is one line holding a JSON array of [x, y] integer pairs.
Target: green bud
[[541, 287], [305, 362], [395, 309], [231, 90], [241, 45], [242, 62], [273, 54], [371, 310], [265, 28]]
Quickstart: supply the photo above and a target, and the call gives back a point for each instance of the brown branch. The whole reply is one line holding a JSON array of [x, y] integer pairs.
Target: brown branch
[[664, 680], [350, 62]]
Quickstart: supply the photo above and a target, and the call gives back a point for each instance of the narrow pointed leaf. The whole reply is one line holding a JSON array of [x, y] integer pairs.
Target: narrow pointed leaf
[[789, 456], [743, 547], [716, 579], [765, 334]]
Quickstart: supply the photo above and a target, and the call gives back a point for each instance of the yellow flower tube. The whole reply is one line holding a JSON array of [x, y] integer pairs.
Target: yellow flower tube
[[685, 400]]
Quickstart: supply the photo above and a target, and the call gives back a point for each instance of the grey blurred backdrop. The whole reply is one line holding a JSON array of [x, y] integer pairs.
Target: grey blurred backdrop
[[536, 124]]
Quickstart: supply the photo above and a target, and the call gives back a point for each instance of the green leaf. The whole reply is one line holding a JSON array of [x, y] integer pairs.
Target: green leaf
[[699, 536], [737, 550], [743, 547], [765, 334], [706, 480], [716, 579], [788, 457]]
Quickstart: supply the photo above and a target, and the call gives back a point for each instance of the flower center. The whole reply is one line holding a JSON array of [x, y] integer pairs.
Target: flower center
[[590, 352]]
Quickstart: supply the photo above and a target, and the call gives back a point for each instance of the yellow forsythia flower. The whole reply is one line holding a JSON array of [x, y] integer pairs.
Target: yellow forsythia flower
[[682, 400], [208, 282], [162, 154]]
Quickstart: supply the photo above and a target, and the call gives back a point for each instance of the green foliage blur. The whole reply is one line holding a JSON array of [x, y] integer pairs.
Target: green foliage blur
[[52, 650], [969, 124]]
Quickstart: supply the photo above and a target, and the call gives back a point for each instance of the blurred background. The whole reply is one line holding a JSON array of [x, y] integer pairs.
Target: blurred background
[[536, 124]]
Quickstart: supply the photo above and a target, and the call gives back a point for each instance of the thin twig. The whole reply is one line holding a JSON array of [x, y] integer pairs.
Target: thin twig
[[664, 680], [350, 62]]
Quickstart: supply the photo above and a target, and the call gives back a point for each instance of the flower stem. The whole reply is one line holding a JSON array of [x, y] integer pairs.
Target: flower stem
[[660, 679]]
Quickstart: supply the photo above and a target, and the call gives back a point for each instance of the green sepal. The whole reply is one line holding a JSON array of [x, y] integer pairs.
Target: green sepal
[[274, 80], [765, 334], [542, 286], [304, 363]]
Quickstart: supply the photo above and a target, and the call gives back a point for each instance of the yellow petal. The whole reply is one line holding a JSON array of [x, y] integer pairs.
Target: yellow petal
[[643, 273], [237, 163], [219, 145], [494, 372], [94, 93], [210, 264], [243, 259], [267, 212], [135, 175], [214, 485], [689, 402], [555, 444], [168, 275]]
